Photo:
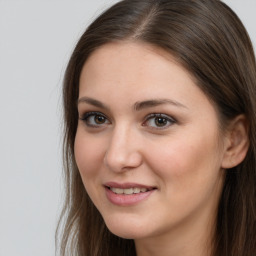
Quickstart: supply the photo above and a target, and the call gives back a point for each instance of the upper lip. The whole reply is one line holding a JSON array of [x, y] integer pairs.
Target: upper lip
[[127, 185]]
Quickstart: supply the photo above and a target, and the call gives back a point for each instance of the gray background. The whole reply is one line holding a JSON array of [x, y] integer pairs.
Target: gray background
[[36, 39]]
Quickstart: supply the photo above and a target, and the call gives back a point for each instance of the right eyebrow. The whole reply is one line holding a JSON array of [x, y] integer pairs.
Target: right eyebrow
[[93, 102]]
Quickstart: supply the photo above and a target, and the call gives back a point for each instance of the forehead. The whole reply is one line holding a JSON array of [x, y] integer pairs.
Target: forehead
[[132, 66]]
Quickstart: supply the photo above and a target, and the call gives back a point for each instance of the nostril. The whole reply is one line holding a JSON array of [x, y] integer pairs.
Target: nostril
[[122, 160]]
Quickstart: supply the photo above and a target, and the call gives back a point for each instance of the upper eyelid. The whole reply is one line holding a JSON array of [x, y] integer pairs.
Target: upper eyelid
[[170, 118], [84, 118], [155, 128], [84, 111], [91, 113], [160, 115], [154, 115]]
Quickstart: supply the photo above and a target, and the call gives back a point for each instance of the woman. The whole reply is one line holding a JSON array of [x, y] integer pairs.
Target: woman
[[159, 103]]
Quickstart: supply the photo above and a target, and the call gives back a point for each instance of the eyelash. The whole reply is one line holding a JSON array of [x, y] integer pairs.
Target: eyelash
[[87, 115], [153, 117], [164, 118]]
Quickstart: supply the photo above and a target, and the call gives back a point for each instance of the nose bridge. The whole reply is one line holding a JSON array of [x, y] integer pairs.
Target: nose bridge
[[122, 151]]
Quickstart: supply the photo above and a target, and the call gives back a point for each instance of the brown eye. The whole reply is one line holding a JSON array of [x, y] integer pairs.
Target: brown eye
[[161, 121], [99, 119], [94, 119]]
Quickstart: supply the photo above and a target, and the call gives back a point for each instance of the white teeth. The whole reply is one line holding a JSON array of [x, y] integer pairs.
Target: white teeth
[[117, 190], [128, 191], [136, 190]]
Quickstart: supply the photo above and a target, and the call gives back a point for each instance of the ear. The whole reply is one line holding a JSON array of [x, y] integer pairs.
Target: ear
[[236, 142]]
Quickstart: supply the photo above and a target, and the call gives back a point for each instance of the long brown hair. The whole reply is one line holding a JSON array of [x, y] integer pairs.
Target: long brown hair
[[208, 39]]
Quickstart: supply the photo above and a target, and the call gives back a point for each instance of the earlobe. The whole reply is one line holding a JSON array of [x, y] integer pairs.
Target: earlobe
[[237, 143]]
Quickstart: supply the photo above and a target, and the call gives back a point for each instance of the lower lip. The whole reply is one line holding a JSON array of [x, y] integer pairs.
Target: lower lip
[[126, 200]]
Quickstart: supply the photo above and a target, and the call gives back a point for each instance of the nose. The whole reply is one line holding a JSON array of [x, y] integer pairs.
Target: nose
[[123, 150]]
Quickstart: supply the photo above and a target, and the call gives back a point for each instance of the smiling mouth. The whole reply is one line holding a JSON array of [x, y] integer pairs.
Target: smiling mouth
[[129, 191]]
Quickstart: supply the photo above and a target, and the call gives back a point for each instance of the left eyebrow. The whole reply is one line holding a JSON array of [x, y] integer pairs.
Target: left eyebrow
[[156, 102]]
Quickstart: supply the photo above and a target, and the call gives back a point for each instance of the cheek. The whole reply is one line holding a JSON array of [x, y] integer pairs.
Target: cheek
[[187, 160], [188, 174], [88, 154]]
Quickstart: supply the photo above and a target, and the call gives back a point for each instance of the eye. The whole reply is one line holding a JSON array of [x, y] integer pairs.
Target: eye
[[94, 119], [159, 121]]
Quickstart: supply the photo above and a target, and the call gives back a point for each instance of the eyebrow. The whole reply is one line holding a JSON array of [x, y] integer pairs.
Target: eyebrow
[[140, 105], [93, 102], [156, 102]]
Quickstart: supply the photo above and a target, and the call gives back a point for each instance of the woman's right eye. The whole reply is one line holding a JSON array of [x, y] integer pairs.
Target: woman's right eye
[[94, 119]]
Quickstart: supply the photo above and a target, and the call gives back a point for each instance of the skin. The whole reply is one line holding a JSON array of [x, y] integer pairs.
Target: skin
[[183, 159]]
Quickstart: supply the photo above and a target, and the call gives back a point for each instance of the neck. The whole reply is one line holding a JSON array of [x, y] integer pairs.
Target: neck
[[182, 241]]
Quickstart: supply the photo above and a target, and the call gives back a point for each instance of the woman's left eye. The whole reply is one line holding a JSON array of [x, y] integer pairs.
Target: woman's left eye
[[159, 121]]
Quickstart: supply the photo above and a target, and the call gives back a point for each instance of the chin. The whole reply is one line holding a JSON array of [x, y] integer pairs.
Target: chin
[[126, 229]]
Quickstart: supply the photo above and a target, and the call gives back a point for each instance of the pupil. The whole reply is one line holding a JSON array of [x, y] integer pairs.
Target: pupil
[[99, 119], [160, 121]]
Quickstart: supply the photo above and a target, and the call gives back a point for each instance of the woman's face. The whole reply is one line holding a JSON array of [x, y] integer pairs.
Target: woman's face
[[148, 144]]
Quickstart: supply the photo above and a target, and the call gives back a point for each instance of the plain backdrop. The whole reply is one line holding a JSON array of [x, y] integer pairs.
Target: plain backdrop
[[36, 40]]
